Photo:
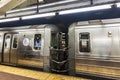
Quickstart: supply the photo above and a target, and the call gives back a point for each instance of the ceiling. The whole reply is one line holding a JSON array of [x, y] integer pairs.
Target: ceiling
[[6, 5], [66, 19]]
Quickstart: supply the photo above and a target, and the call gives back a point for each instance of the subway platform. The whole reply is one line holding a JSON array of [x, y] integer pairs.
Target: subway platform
[[18, 73]]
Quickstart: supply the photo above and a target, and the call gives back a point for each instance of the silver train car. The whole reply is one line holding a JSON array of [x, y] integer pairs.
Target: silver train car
[[27, 45], [94, 47]]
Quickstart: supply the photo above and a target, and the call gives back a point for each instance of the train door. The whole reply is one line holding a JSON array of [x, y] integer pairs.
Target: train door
[[30, 50], [10, 48]]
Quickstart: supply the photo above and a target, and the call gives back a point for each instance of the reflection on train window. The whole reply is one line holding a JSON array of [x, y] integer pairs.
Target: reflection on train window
[[7, 41], [37, 41], [15, 41], [84, 42]]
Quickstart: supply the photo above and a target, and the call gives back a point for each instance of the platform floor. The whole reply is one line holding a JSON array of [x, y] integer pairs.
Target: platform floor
[[36, 74]]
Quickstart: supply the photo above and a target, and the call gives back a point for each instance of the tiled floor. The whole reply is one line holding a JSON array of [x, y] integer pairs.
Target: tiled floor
[[36, 74]]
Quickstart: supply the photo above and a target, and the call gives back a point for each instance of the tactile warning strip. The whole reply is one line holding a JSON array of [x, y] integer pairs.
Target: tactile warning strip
[[36, 74]]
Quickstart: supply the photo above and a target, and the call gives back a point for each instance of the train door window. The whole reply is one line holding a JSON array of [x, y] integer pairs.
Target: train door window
[[7, 41], [37, 41], [15, 41], [84, 42]]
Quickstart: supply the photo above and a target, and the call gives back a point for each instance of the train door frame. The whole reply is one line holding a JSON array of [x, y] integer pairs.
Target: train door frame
[[1, 45], [12, 52]]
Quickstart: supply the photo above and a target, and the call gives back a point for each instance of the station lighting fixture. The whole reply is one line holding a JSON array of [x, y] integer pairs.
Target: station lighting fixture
[[57, 3], [17, 10], [111, 25], [118, 4], [9, 19], [93, 8], [38, 16], [41, 6]]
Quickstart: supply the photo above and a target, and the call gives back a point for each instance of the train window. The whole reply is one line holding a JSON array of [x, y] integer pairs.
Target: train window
[[15, 41], [84, 42], [7, 41], [37, 42]]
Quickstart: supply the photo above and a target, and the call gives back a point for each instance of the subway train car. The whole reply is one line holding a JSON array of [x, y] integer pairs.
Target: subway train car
[[27, 45], [94, 47]]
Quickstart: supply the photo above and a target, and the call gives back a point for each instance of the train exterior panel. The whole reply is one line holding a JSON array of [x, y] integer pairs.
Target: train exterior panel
[[27, 45], [94, 44]]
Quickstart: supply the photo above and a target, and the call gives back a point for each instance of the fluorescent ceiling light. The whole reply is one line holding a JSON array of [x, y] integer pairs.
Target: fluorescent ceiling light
[[56, 3], [118, 4], [85, 9], [9, 19], [41, 6], [39, 15], [111, 25], [40, 0], [22, 9]]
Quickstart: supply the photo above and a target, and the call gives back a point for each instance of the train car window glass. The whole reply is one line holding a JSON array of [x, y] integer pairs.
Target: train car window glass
[[15, 41], [7, 41], [37, 41], [84, 42], [53, 41]]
